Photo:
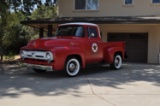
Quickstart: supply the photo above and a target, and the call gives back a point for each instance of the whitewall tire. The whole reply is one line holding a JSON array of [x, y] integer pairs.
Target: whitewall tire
[[72, 67], [117, 62]]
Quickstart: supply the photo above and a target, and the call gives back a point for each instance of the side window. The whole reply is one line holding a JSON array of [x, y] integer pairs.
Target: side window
[[79, 32], [80, 4], [128, 2], [92, 32], [155, 1], [86, 4]]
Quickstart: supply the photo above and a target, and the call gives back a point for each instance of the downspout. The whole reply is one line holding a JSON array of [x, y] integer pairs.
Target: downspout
[[57, 2], [159, 54]]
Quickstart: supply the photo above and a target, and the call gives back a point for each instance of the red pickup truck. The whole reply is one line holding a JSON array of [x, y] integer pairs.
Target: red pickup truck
[[75, 46]]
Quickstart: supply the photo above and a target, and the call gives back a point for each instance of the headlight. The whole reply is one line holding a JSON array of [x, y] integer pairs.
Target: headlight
[[49, 56], [22, 54]]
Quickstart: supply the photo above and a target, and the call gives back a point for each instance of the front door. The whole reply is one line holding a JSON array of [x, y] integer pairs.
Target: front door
[[93, 52]]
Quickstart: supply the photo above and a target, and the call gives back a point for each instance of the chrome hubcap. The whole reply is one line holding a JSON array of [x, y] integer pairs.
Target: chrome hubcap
[[72, 67], [117, 62]]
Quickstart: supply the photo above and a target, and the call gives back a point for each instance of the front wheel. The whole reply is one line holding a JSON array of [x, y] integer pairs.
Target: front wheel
[[72, 67], [117, 62]]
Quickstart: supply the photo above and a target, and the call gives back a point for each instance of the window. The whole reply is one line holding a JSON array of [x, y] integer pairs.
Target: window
[[155, 1], [79, 31], [72, 30], [86, 4], [128, 2], [92, 33]]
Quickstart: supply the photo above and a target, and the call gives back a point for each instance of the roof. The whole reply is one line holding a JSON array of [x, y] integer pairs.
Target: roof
[[96, 20], [78, 23]]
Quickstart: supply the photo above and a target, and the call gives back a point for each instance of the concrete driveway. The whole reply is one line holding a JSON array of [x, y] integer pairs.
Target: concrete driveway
[[133, 85]]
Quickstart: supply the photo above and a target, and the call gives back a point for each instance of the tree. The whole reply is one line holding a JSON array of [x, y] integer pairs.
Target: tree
[[13, 35], [44, 12], [25, 6]]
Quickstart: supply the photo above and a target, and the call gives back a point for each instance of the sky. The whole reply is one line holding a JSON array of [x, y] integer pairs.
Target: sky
[[43, 1]]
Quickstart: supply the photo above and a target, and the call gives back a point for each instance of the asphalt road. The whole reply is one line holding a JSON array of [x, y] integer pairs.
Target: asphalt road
[[133, 85]]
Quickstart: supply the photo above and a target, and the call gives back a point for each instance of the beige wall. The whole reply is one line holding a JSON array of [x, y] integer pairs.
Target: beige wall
[[154, 45], [110, 8], [117, 8], [153, 36]]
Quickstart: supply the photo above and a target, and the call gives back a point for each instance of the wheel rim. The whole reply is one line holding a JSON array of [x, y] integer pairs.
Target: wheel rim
[[73, 67], [118, 61]]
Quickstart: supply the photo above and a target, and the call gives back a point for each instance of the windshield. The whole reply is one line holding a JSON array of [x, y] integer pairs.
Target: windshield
[[70, 30]]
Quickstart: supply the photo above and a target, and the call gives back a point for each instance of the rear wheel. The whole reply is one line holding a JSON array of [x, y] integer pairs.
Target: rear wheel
[[117, 62], [39, 71], [72, 66]]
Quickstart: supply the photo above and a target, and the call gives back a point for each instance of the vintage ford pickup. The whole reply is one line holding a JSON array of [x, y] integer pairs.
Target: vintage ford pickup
[[75, 46]]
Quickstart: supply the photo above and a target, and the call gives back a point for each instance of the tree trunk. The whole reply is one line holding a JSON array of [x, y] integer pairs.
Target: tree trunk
[[1, 58], [1, 55]]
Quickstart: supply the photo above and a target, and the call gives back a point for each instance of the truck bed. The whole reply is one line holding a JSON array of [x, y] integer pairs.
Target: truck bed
[[114, 44]]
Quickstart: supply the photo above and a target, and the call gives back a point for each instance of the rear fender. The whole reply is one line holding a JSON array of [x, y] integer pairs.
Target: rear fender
[[110, 52]]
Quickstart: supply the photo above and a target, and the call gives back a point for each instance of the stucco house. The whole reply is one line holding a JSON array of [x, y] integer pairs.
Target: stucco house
[[135, 21]]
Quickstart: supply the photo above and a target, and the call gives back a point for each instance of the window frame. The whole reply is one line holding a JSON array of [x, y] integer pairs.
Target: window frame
[[85, 9]]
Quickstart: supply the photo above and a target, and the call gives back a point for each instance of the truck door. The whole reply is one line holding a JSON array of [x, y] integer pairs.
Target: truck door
[[93, 49]]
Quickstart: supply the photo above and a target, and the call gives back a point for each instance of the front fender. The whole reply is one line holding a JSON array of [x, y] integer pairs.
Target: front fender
[[77, 52], [61, 54]]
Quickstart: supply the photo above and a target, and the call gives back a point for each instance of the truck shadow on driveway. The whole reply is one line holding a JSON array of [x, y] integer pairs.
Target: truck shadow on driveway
[[17, 81]]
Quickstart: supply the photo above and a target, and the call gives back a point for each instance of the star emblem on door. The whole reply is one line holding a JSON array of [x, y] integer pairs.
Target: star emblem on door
[[94, 47]]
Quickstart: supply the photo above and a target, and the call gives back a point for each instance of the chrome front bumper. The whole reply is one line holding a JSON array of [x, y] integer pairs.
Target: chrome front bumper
[[41, 67]]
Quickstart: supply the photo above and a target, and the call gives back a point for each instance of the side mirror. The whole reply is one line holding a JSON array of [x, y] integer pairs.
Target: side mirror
[[92, 35]]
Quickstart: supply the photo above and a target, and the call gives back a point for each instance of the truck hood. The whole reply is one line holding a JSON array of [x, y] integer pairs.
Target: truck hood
[[46, 43]]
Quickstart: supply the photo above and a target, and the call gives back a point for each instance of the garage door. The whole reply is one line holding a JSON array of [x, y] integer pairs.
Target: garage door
[[136, 45]]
